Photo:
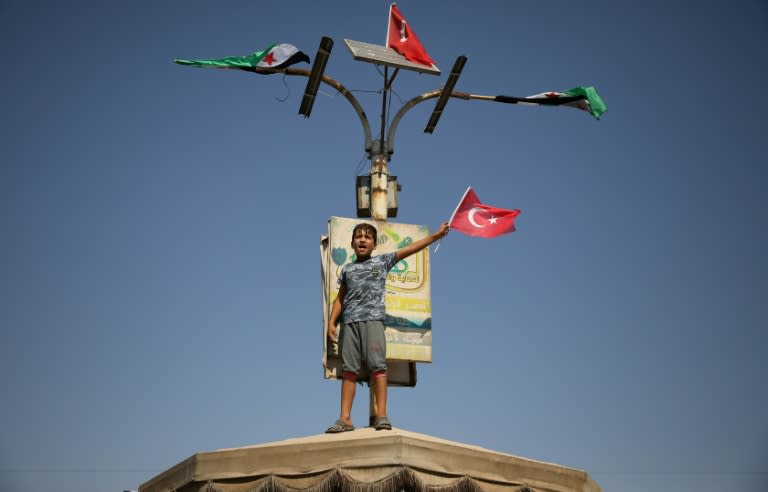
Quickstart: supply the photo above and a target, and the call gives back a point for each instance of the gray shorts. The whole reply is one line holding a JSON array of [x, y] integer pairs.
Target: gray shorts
[[363, 340]]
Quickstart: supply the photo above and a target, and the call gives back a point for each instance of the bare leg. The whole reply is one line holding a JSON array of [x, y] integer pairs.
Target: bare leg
[[348, 388], [380, 391]]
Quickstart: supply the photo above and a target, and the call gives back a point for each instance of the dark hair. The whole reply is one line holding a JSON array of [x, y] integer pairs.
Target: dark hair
[[366, 228]]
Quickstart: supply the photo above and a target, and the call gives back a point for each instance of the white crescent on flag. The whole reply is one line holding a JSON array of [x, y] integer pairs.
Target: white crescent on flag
[[474, 218], [471, 217]]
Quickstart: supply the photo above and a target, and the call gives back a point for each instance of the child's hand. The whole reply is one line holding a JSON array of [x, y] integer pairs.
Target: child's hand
[[442, 230], [332, 332]]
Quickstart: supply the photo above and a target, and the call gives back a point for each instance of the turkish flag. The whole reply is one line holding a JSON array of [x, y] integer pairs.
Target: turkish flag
[[401, 38], [476, 219]]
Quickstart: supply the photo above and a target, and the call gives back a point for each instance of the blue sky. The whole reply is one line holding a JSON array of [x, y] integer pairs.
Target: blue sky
[[159, 233]]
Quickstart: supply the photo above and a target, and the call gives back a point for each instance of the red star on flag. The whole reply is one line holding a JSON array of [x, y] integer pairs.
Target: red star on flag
[[269, 59]]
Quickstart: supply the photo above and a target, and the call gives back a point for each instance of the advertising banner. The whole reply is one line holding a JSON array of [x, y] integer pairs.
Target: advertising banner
[[408, 325]]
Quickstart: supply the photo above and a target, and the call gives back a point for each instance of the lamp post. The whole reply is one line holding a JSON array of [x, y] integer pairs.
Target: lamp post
[[377, 193]]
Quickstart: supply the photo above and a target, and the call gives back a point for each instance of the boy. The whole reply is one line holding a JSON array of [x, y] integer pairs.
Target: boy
[[360, 303]]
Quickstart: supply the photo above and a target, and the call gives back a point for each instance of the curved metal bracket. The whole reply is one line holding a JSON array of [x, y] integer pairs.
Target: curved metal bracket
[[336, 85], [390, 145]]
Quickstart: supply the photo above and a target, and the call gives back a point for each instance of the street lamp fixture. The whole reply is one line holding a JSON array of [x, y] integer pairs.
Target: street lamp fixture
[[315, 76], [458, 66]]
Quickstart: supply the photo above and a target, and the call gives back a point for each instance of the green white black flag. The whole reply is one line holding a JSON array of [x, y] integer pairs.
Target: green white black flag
[[275, 56], [584, 98]]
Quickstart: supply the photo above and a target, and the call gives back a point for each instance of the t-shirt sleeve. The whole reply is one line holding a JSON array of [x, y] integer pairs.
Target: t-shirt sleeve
[[389, 259]]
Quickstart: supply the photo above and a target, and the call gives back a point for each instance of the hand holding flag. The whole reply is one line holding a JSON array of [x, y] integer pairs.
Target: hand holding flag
[[474, 218]]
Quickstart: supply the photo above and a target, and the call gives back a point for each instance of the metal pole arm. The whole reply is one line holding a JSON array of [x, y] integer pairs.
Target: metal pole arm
[[390, 144], [336, 85]]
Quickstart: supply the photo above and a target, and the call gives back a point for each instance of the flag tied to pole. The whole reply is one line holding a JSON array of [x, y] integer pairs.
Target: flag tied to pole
[[275, 56], [401, 38], [583, 98], [474, 218]]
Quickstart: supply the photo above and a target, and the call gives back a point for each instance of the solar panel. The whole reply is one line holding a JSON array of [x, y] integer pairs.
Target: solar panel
[[381, 55]]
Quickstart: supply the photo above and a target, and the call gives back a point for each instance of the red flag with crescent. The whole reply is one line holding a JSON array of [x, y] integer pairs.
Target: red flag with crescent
[[474, 218], [401, 38]]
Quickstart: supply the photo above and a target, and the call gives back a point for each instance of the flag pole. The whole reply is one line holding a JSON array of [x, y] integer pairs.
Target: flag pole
[[384, 107], [386, 83], [450, 221]]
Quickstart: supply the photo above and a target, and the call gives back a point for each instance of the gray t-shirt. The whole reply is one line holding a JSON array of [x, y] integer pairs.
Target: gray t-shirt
[[365, 288]]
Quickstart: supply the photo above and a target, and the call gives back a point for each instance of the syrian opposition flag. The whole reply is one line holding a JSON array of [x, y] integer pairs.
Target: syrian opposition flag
[[474, 218], [275, 56], [584, 98], [401, 38]]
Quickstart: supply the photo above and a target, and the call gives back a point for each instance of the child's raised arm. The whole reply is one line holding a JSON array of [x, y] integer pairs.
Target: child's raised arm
[[422, 243]]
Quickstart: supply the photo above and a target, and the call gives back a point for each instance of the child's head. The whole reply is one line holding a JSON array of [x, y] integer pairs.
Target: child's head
[[364, 227], [363, 241]]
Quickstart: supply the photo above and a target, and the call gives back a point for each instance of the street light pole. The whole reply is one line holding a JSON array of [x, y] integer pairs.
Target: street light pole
[[380, 151]]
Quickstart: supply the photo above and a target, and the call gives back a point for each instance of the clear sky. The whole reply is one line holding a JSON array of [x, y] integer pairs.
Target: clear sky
[[160, 224]]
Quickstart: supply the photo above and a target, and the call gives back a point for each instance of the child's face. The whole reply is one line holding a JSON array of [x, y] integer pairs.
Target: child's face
[[363, 243]]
